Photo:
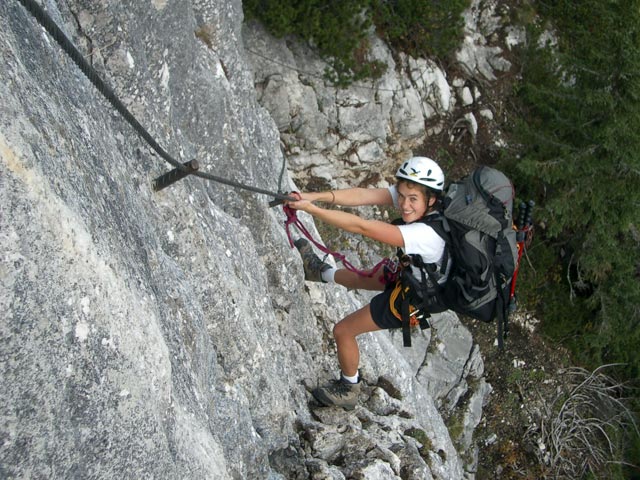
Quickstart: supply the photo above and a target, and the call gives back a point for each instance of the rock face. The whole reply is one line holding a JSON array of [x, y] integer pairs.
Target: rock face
[[357, 136], [171, 334], [324, 127]]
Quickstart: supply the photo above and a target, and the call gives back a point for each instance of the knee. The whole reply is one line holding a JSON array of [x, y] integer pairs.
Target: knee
[[340, 331]]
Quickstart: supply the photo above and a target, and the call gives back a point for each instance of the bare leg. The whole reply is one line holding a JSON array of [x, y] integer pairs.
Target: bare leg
[[345, 333], [354, 281]]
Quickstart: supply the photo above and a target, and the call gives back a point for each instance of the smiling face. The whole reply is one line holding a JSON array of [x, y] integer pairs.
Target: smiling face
[[413, 201]]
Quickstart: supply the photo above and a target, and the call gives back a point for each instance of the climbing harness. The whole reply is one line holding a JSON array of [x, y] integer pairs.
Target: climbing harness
[[181, 170]]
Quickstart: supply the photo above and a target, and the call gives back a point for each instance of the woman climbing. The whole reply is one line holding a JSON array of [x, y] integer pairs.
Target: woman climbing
[[417, 194]]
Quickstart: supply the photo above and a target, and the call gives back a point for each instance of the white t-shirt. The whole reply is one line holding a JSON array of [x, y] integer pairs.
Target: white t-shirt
[[420, 239]]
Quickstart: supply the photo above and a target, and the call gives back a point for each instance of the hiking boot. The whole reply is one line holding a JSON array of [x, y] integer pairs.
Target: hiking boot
[[313, 266], [340, 393]]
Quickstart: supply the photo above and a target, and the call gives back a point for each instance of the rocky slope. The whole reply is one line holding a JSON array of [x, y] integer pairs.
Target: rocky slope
[[170, 334]]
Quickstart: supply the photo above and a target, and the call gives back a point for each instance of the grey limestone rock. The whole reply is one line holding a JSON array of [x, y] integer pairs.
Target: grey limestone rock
[[170, 334]]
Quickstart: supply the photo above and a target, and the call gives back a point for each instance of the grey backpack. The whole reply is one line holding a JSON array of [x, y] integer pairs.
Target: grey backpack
[[477, 225]]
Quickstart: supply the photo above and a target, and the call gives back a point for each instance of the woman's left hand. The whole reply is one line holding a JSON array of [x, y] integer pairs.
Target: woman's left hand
[[301, 204]]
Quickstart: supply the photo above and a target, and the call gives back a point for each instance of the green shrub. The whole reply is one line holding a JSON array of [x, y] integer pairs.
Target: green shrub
[[339, 29], [336, 28], [421, 28]]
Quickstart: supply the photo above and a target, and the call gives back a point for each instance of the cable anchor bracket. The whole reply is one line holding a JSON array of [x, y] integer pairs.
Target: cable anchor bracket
[[172, 176]]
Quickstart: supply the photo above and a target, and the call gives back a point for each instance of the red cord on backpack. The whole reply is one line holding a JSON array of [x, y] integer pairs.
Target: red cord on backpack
[[524, 235], [292, 219]]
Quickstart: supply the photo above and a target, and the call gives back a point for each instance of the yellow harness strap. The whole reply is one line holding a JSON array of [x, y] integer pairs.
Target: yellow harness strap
[[399, 292]]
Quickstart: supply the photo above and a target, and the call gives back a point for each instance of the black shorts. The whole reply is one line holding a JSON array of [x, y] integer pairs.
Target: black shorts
[[382, 315], [381, 310]]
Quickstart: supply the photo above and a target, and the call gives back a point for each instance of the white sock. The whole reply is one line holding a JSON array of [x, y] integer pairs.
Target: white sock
[[328, 275], [349, 379]]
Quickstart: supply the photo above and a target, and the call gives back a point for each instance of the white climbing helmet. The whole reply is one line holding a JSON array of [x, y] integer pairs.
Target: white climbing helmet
[[424, 171]]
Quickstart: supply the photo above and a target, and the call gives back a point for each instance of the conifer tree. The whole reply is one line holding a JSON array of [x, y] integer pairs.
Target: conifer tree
[[578, 133]]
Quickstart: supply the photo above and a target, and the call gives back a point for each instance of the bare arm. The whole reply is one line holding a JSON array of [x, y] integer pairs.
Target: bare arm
[[351, 197], [374, 229]]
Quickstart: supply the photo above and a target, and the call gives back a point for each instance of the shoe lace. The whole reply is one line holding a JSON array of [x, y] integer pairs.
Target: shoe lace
[[339, 388], [314, 261]]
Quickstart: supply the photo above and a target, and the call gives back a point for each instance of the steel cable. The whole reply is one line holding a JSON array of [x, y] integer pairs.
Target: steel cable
[[69, 48]]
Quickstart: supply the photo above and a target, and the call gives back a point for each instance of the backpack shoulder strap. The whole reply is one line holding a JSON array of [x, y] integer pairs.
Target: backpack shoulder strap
[[415, 291], [440, 225]]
